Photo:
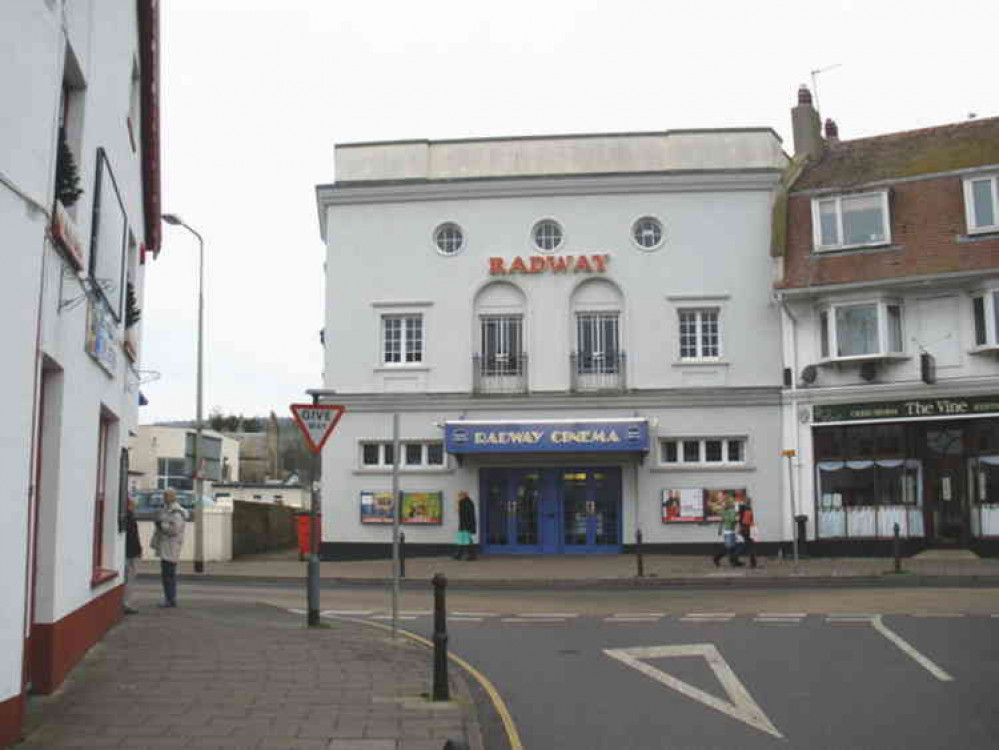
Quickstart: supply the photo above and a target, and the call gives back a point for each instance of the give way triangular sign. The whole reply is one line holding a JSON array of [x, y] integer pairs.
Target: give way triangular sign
[[317, 422], [740, 704]]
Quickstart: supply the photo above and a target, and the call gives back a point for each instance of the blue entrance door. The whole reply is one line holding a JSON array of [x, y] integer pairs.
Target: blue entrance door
[[591, 509], [551, 510]]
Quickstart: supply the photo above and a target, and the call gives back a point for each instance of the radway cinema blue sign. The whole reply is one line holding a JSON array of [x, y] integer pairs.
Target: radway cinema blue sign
[[547, 437]]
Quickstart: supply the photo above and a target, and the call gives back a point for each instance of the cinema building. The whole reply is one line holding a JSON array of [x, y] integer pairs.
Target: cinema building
[[889, 295], [577, 330]]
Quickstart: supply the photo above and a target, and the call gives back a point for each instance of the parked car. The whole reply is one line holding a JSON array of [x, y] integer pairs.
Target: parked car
[[149, 502]]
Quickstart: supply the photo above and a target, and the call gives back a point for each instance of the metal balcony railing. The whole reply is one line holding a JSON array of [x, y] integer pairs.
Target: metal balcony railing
[[499, 373], [603, 371]]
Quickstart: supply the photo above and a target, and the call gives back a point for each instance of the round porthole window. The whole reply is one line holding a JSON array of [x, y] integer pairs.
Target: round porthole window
[[547, 235], [648, 233], [449, 238]]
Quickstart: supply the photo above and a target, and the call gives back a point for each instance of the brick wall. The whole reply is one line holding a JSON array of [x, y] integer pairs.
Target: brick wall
[[929, 236]]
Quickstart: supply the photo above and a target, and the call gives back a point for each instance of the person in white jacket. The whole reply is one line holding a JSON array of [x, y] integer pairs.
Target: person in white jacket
[[166, 543]]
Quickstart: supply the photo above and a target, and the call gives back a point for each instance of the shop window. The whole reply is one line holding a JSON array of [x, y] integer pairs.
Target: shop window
[[850, 221], [703, 451], [828, 443], [415, 454], [985, 437], [889, 441], [860, 442]]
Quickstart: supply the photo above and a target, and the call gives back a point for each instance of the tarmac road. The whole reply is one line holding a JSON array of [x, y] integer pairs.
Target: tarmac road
[[810, 668]]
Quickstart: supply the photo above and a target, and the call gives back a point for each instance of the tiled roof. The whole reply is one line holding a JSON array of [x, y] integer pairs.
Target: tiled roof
[[906, 154]]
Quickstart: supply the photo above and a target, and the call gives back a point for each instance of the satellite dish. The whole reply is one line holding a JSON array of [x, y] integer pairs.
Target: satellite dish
[[809, 373]]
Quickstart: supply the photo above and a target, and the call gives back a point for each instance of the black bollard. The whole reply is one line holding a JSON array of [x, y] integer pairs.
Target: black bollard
[[638, 550], [402, 555], [895, 549], [440, 692]]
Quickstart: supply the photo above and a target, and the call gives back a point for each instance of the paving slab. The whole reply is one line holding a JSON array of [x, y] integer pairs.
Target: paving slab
[[241, 675]]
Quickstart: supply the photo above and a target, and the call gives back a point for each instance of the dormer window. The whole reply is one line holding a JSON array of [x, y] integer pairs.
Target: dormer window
[[981, 203], [861, 330], [844, 222]]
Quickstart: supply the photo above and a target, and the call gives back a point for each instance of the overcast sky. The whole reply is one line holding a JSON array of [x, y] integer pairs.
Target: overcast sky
[[255, 94]]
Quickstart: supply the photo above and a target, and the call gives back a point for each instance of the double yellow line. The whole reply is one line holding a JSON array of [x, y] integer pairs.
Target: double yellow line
[[513, 737]]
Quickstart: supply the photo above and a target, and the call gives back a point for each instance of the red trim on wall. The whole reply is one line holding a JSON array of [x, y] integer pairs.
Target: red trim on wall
[[11, 720], [57, 647]]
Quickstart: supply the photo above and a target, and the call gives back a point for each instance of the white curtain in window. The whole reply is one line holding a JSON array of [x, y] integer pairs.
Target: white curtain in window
[[989, 520], [832, 523], [861, 521], [857, 330], [990, 460]]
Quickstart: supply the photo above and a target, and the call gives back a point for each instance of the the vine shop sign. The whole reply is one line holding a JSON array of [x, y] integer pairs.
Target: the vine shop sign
[[970, 406]]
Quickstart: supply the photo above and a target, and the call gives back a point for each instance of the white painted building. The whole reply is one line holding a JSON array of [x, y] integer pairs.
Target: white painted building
[[83, 74], [578, 330], [162, 457]]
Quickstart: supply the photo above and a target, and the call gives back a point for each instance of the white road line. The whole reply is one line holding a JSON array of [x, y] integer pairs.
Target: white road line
[[464, 619], [631, 619], [530, 619], [783, 614], [417, 612], [473, 614], [547, 615], [778, 620], [639, 614], [705, 619], [389, 617], [932, 668], [849, 619], [937, 614], [348, 612], [740, 704], [710, 614], [854, 615]]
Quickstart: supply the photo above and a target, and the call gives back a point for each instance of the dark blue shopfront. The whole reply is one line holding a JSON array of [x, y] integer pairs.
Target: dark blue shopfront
[[555, 507]]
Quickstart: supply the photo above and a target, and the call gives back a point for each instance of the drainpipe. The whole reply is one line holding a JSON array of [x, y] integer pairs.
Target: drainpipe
[[788, 321]]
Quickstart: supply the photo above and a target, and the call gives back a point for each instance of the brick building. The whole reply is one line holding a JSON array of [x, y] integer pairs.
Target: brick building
[[886, 257]]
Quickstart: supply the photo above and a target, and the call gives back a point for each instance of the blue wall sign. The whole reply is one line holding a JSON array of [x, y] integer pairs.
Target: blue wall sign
[[546, 437]]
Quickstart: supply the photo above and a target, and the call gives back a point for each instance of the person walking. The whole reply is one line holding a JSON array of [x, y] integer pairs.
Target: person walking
[[167, 542], [728, 528], [133, 551], [466, 528], [746, 524]]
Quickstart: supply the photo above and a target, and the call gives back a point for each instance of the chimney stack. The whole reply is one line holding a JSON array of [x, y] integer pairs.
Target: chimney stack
[[806, 126], [832, 131]]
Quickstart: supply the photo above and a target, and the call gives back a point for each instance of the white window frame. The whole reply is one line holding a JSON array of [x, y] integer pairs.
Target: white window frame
[[449, 238], [699, 334], [838, 200], [969, 203], [828, 333], [384, 446], [990, 309], [606, 356], [558, 236], [635, 234], [405, 340], [702, 441], [507, 340]]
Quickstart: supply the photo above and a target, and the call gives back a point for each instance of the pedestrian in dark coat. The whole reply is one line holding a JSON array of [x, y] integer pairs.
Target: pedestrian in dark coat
[[746, 524], [133, 551], [466, 528]]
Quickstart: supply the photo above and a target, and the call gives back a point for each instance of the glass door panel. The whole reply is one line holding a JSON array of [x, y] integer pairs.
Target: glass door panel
[[497, 507], [606, 517], [527, 499], [575, 519]]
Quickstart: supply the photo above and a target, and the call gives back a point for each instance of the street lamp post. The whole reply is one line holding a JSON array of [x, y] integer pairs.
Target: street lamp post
[[199, 511]]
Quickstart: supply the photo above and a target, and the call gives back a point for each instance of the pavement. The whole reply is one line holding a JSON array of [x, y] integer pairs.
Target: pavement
[[930, 568], [249, 676]]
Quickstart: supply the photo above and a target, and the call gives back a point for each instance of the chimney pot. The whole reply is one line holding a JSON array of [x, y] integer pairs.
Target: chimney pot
[[832, 130], [804, 95]]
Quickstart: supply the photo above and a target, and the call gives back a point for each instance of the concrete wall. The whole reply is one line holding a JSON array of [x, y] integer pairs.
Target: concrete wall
[[278, 494], [218, 537]]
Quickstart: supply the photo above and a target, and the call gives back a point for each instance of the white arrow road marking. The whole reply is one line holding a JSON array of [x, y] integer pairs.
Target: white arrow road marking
[[347, 612], [932, 668], [740, 705]]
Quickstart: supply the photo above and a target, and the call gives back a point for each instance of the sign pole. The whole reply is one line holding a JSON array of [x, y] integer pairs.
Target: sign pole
[[317, 423], [789, 455], [396, 512]]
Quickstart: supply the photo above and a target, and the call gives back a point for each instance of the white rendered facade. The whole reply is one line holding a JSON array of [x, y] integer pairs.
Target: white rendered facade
[[677, 340], [68, 411], [159, 458]]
